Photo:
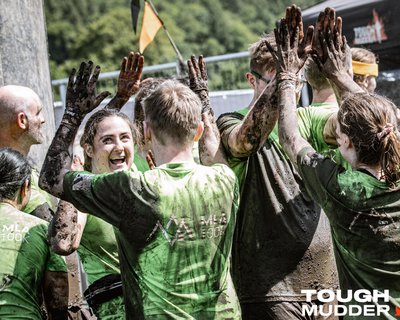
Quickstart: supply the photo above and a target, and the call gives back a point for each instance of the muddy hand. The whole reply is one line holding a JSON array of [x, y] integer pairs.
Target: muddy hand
[[198, 81], [130, 75], [81, 98]]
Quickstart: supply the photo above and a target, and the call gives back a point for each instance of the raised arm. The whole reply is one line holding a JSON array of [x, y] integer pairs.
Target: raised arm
[[250, 135], [211, 150], [128, 80], [80, 100], [290, 56]]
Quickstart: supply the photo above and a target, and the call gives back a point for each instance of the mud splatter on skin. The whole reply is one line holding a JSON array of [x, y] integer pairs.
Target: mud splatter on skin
[[63, 229], [260, 121], [210, 148]]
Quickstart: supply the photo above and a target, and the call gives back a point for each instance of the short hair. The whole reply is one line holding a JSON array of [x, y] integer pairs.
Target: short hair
[[14, 172], [260, 58], [362, 116], [365, 56], [91, 130], [173, 110]]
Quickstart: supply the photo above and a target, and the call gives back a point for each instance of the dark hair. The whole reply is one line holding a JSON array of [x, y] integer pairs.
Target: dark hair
[[364, 117], [14, 172], [91, 130]]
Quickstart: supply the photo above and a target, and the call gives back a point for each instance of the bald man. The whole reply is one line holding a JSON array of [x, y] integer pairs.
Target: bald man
[[21, 125]]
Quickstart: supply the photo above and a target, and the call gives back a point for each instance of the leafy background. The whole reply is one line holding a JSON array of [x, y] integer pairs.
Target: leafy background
[[101, 30]]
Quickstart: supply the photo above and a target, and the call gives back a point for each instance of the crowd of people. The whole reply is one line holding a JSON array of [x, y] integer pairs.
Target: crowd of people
[[178, 215]]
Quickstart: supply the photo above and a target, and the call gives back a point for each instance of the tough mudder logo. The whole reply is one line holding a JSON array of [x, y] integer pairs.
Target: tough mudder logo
[[374, 32], [179, 229], [354, 303]]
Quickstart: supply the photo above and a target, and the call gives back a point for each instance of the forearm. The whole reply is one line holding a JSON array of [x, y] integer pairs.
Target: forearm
[[251, 135], [58, 159], [117, 102], [55, 292], [343, 85], [289, 134], [211, 150], [64, 233]]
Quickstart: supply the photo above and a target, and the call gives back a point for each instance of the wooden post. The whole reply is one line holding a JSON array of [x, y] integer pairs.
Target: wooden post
[[24, 59]]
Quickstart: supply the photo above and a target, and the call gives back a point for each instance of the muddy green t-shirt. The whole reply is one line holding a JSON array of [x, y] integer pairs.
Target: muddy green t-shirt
[[39, 196], [365, 218], [24, 257], [282, 241], [98, 247], [175, 226]]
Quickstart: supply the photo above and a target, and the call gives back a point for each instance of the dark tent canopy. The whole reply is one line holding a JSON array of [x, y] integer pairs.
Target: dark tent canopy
[[372, 24]]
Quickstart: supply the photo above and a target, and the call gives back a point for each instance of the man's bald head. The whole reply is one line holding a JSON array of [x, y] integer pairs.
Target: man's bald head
[[21, 117], [15, 99]]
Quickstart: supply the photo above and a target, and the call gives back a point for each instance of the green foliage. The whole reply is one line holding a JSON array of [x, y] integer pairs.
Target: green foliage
[[101, 30]]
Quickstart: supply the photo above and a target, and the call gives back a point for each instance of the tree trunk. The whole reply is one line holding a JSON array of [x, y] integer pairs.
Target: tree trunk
[[24, 59]]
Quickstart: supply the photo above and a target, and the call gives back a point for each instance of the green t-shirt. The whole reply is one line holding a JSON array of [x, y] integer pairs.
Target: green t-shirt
[[24, 257], [282, 241], [98, 247], [39, 196], [175, 226], [365, 218]]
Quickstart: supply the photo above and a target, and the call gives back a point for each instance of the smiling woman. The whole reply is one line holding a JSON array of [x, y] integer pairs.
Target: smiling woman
[[108, 142]]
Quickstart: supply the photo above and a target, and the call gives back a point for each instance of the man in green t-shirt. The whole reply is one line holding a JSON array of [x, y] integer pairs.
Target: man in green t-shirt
[[175, 223]]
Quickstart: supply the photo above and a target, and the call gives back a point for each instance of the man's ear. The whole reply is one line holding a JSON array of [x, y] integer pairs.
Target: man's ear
[[199, 131], [251, 79], [88, 149], [347, 142], [22, 120]]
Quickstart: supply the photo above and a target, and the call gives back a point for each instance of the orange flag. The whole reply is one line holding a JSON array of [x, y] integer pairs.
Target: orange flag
[[150, 25]]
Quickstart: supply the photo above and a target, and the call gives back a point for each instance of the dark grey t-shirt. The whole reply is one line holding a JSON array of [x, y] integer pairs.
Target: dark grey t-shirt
[[282, 241]]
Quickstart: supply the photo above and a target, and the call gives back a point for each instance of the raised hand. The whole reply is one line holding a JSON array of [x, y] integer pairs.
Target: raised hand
[[130, 75], [291, 54], [81, 98], [330, 49], [198, 81]]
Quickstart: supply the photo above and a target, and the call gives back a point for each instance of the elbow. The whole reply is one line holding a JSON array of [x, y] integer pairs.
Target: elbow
[[63, 247]]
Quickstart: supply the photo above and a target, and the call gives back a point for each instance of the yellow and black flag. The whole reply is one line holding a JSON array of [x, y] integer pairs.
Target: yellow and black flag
[[150, 26]]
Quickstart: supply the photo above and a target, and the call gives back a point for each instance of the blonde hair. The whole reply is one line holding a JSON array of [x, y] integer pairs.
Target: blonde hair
[[173, 110], [260, 58]]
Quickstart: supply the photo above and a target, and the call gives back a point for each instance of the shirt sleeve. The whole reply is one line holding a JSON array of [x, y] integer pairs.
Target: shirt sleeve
[[318, 174], [312, 123], [105, 195], [226, 123]]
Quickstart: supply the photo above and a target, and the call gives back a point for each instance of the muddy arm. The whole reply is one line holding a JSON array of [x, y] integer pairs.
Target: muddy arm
[[80, 100], [55, 293], [249, 136], [289, 59], [211, 150]]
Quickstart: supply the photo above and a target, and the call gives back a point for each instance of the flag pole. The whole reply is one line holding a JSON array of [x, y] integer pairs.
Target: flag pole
[[180, 64]]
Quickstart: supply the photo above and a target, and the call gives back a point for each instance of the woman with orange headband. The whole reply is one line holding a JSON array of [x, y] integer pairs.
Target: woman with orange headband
[[365, 68]]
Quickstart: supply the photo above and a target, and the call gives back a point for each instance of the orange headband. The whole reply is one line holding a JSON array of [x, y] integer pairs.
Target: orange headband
[[368, 69]]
